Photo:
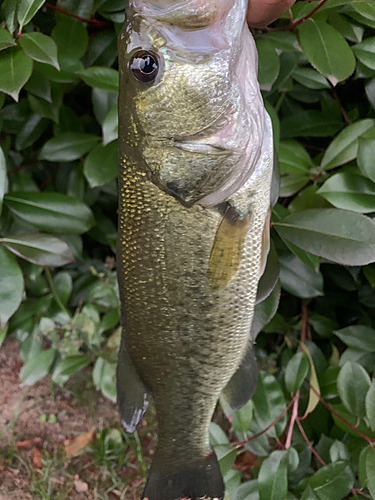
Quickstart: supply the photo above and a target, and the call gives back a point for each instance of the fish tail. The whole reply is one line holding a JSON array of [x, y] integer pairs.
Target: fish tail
[[203, 482]]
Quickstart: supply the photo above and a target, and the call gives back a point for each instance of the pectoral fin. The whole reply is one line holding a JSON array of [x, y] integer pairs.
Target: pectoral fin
[[131, 392], [242, 385], [226, 251]]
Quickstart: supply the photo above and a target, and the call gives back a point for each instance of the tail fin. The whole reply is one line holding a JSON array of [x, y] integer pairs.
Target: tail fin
[[203, 482]]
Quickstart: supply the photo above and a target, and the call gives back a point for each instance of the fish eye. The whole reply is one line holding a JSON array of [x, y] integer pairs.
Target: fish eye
[[145, 66]]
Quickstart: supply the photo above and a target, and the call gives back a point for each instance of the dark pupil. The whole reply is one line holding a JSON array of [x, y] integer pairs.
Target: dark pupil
[[147, 64], [144, 66]]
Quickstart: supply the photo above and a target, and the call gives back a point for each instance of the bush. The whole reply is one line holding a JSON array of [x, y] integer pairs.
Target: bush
[[309, 432]]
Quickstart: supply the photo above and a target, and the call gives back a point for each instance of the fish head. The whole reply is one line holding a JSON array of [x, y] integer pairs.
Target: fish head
[[184, 95]]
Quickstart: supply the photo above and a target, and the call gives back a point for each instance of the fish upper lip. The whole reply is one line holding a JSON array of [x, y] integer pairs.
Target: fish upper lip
[[200, 147]]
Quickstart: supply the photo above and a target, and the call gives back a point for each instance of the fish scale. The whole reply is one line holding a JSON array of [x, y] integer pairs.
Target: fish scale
[[188, 270]]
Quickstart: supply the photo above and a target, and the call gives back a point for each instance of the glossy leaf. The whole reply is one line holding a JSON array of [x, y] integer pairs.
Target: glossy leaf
[[332, 482], [11, 286], [68, 146], [370, 406], [71, 365], [100, 166], [337, 235], [358, 336], [365, 52], [366, 157], [101, 78], [37, 367], [353, 383], [71, 38], [298, 279], [268, 64], [269, 277], [15, 70], [40, 48], [296, 371], [310, 123], [3, 177], [110, 126], [344, 147], [269, 402], [327, 50], [314, 383], [310, 78], [349, 192], [242, 419], [27, 10], [31, 131], [40, 249], [51, 212], [370, 471], [6, 39], [272, 480]]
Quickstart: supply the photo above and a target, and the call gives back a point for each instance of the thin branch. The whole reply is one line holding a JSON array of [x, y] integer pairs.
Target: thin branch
[[313, 451], [342, 109], [54, 292], [304, 326], [333, 412], [293, 24], [290, 404], [294, 418], [92, 21]]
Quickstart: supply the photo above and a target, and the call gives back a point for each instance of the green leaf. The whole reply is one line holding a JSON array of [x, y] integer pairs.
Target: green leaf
[[314, 394], [110, 126], [6, 39], [309, 494], [358, 336], [269, 277], [350, 192], [217, 435], [27, 10], [40, 48], [353, 383], [226, 456], [344, 146], [101, 78], [268, 64], [247, 491], [11, 286], [310, 78], [71, 365], [365, 52], [365, 8], [344, 237], [370, 406], [3, 177], [370, 471], [71, 38], [366, 157], [242, 419], [327, 50], [332, 482], [37, 367], [63, 283], [51, 212], [269, 402], [296, 371], [31, 131], [362, 466], [310, 123], [68, 146], [15, 69], [272, 480], [39, 85], [100, 166], [9, 8], [40, 249], [49, 108], [298, 279]]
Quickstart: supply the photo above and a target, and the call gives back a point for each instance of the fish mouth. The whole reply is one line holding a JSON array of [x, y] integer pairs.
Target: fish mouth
[[201, 148]]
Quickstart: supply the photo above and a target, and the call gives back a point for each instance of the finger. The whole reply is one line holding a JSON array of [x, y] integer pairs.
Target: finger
[[260, 13]]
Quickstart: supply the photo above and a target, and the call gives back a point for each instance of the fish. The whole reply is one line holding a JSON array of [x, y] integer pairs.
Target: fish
[[195, 168]]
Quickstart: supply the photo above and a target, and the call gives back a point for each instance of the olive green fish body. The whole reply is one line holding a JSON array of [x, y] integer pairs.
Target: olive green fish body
[[195, 173]]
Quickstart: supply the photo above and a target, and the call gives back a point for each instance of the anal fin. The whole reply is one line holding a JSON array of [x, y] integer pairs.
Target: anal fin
[[131, 392], [242, 385]]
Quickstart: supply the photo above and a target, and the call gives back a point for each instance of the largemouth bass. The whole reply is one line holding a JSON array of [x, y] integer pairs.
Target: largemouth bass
[[196, 157]]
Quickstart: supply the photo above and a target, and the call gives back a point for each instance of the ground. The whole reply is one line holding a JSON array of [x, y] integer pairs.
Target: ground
[[65, 443]]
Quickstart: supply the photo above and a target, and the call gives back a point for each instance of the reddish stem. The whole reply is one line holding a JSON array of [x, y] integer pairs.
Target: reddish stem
[[92, 21], [332, 411], [294, 24], [290, 404], [294, 418], [313, 451]]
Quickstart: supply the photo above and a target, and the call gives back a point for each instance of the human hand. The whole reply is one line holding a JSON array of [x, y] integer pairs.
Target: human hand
[[263, 12]]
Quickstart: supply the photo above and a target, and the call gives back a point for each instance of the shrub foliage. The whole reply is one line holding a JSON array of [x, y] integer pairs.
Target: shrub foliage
[[309, 432]]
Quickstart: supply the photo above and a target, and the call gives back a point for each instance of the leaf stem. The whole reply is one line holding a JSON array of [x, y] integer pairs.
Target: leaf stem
[[294, 418], [54, 292], [333, 412], [92, 21], [313, 450], [293, 24]]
